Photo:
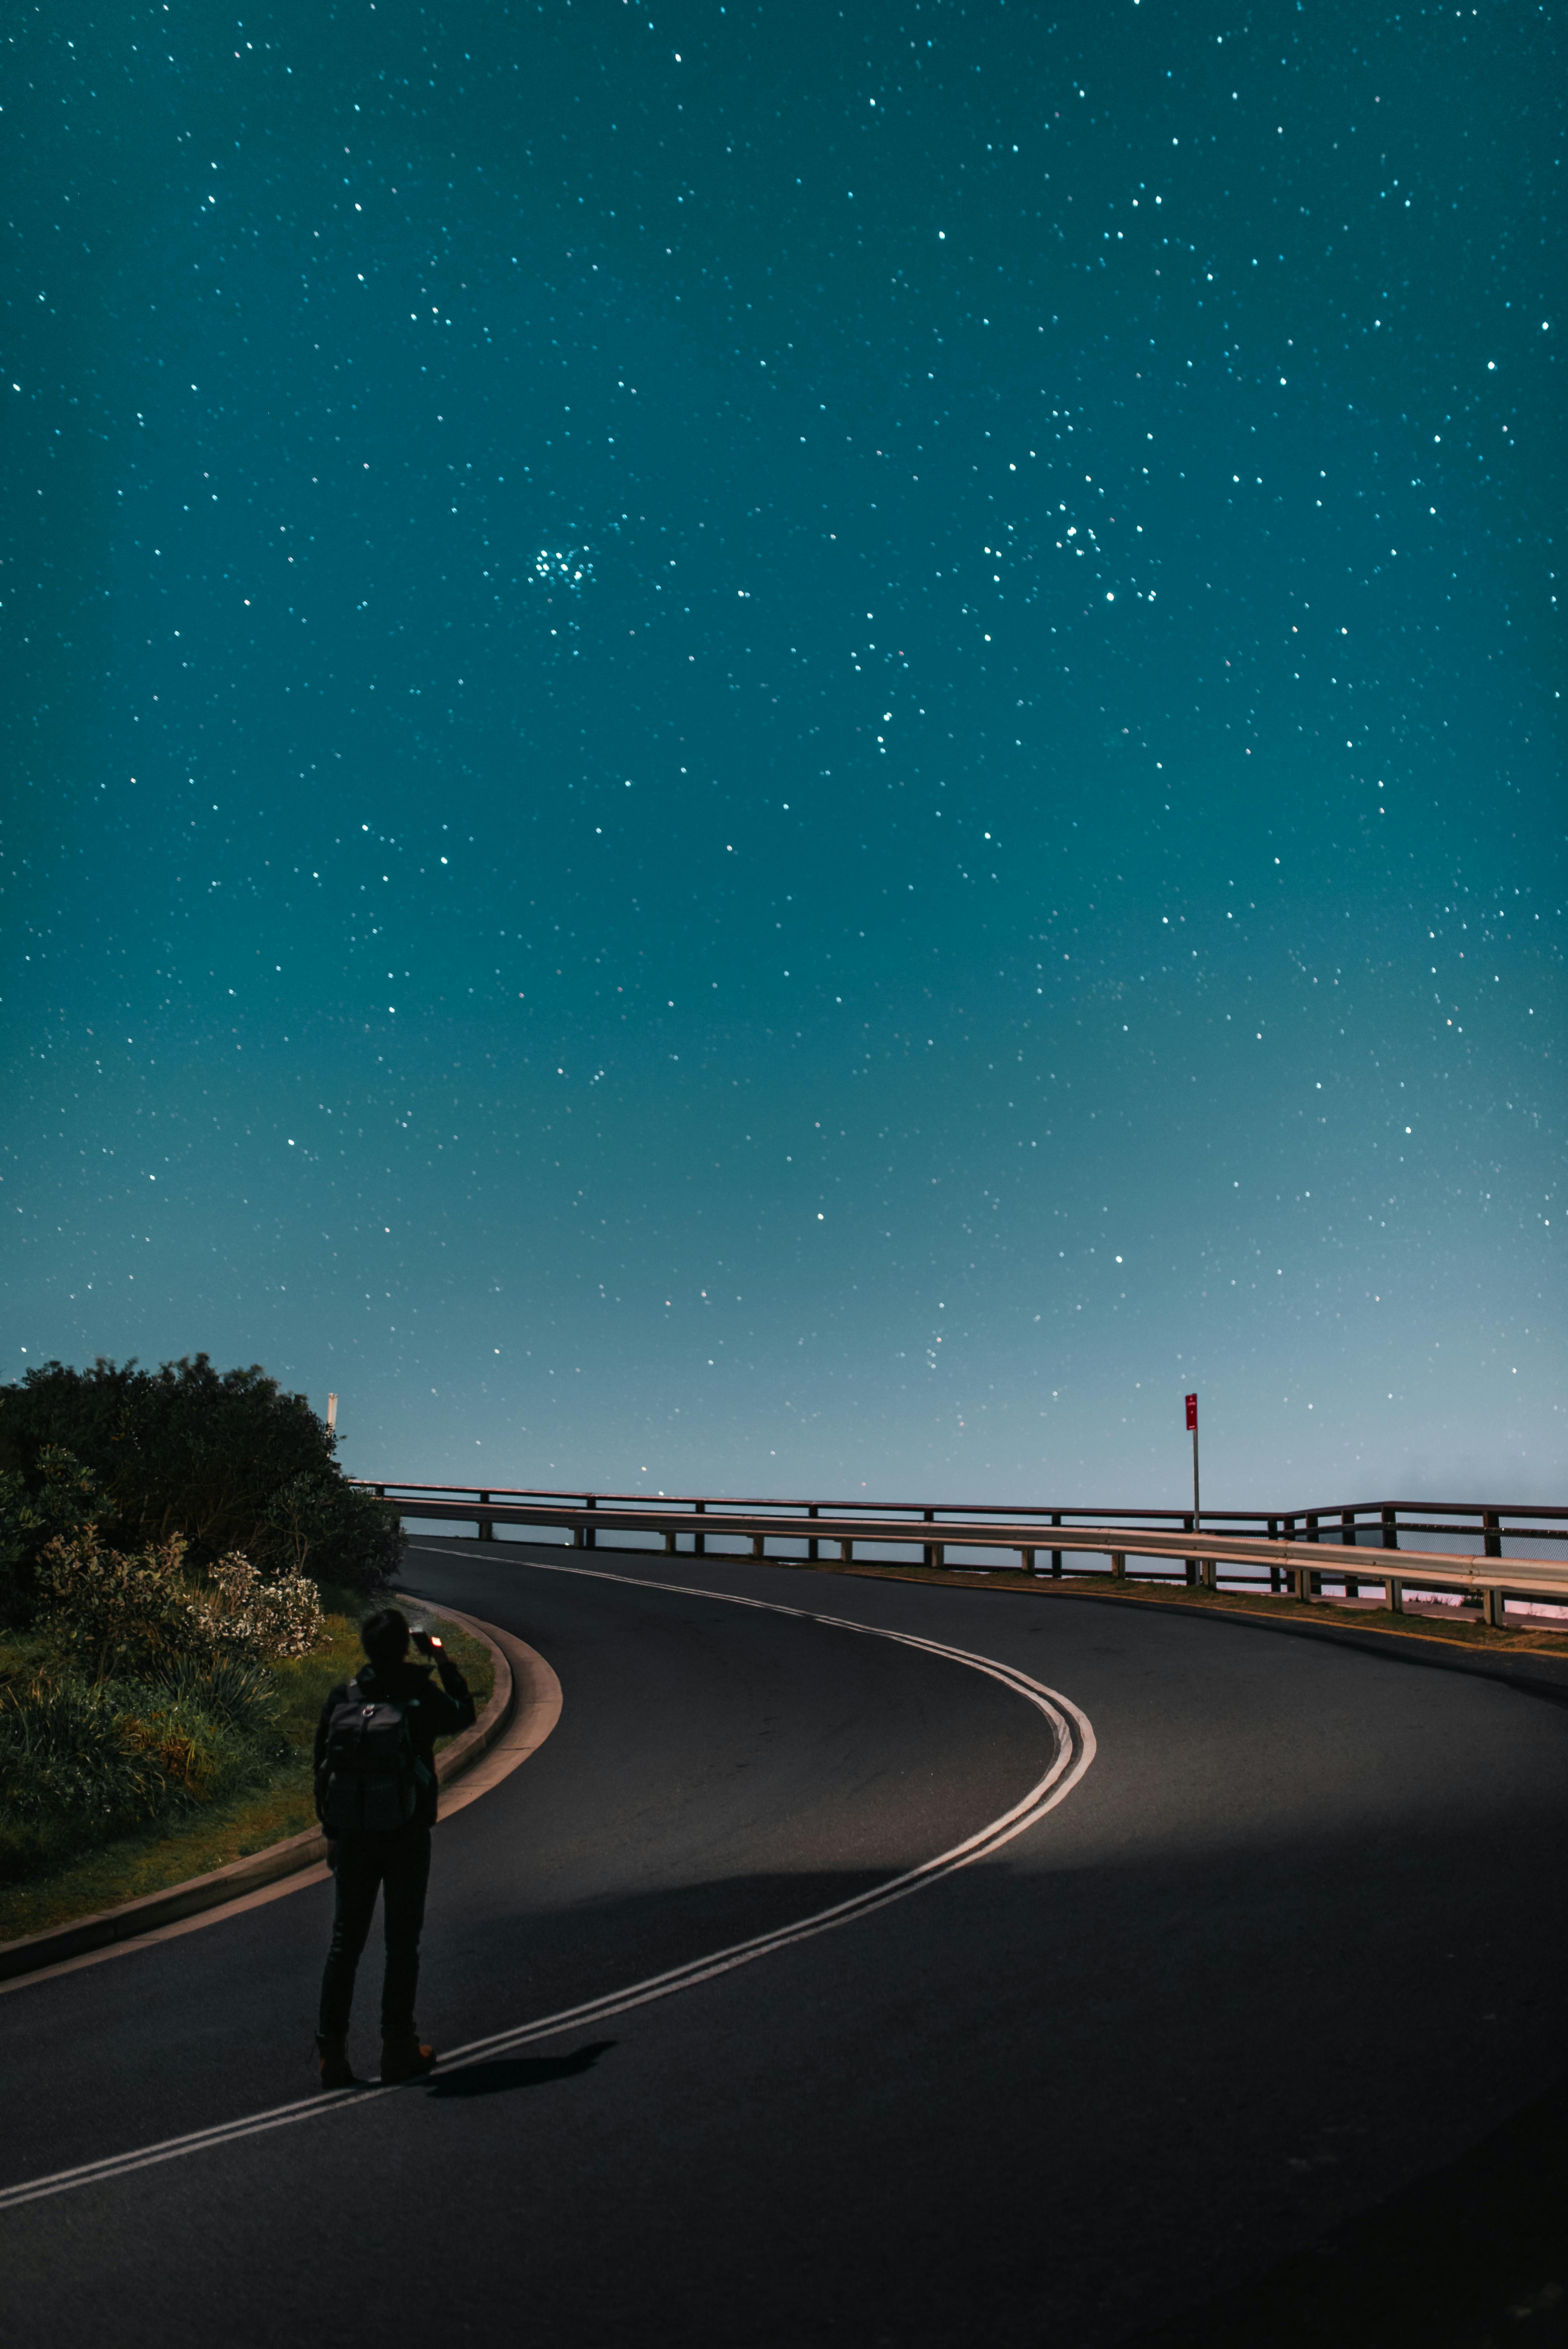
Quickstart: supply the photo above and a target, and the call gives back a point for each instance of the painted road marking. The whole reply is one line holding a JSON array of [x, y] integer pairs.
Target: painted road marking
[[1065, 1773]]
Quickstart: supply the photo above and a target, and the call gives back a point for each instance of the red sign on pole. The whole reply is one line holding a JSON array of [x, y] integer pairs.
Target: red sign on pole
[[1193, 1414]]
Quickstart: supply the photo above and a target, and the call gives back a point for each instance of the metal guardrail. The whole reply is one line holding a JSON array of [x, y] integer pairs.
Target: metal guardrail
[[1281, 1548]]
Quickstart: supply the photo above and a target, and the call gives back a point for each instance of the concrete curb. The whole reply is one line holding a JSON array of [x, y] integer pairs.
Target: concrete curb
[[134, 1919]]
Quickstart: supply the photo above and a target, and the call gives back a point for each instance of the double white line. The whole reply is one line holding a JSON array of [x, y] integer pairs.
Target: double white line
[[1074, 1750]]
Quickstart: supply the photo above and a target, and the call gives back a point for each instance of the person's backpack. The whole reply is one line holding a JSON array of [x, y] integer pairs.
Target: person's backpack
[[372, 1772]]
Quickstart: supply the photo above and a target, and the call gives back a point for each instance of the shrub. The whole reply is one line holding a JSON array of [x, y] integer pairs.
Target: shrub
[[156, 1694], [282, 1618], [111, 1616], [62, 1498], [226, 1459], [344, 1534]]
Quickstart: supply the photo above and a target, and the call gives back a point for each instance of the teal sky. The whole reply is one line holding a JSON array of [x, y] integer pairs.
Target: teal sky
[[787, 750]]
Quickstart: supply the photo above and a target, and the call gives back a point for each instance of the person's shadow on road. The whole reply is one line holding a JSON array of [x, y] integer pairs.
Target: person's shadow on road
[[502, 2072]]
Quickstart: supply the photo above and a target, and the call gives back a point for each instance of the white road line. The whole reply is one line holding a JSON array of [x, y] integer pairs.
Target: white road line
[[1057, 1782]]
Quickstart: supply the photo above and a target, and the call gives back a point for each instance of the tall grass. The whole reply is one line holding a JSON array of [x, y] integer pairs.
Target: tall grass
[[81, 1763], [145, 1697]]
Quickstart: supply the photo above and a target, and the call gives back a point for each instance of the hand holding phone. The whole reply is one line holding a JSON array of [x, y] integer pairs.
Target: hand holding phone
[[427, 1643]]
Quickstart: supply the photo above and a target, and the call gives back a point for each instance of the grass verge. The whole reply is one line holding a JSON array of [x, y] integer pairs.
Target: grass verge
[[199, 1841]]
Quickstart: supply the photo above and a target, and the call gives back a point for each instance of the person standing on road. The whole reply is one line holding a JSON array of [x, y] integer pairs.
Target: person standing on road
[[375, 1798]]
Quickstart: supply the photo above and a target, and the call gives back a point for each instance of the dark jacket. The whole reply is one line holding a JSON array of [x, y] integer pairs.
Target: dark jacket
[[430, 1712]]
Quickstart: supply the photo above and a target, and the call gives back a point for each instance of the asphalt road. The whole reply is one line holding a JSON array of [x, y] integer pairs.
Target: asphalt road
[[1294, 1944]]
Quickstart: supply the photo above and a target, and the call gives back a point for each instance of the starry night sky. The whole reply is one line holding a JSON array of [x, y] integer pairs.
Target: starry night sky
[[795, 751]]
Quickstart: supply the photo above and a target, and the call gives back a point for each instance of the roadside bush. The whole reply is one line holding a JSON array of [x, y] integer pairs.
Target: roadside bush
[[155, 1693], [110, 1616], [60, 1500], [80, 1762], [282, 1618], [337, 1532], [107, 1614], [225, 1459]]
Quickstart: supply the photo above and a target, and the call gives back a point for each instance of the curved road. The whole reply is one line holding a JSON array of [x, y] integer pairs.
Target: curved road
[[1295, 1939]]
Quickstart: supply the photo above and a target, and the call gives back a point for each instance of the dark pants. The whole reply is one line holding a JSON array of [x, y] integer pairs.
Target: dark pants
[[396, 1863]]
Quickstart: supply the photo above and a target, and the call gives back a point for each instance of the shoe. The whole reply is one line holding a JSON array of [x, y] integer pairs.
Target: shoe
[[404, 2057], [336, 2071]]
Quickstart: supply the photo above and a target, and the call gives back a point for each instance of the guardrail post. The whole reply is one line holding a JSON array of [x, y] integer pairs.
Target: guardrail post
[[486, 1524], [1190, 1563], [1395, 1589], [1391, 1529], [846, 1552], [1275, 1576], [1494, 1525], [1347, 1536], [1303, 1575], [669, 1542], [699, 1541], [928, 1549], [936, 1554], [1211, 1575], [1056, 1553], [1119, 1564], [1026, 1560], [811, 1544], [759, 1547], [1494, 1609]]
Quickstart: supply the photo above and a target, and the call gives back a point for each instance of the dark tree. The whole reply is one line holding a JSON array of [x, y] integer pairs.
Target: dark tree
[[227, 1458]]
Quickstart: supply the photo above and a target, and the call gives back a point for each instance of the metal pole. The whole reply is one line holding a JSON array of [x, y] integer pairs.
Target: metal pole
[[1197, 1565]]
